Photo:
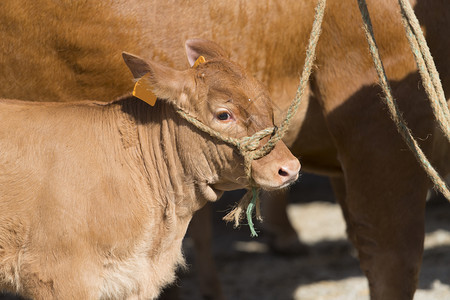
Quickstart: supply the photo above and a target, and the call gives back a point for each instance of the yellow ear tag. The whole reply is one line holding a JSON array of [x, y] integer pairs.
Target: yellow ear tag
[[200, 60], [143, 90]]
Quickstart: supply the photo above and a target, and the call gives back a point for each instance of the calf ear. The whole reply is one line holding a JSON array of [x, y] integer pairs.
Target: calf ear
[[153, 78], [138, 66], [200, 47]]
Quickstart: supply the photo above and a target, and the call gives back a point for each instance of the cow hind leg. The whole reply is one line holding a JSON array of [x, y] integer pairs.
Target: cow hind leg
[[390, 254], [385, 222], [385, 187]]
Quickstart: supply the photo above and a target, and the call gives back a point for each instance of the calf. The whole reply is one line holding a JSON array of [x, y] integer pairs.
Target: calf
[[342, 130], [96, 197]]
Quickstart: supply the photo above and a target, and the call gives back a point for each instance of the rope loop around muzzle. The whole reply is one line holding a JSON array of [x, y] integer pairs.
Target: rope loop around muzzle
[[249, 146], [251, 143]]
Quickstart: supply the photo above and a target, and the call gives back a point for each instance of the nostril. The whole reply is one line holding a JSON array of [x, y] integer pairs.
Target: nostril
[[282, 172]]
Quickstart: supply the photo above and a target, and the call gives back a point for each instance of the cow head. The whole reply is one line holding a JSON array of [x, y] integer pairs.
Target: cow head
[[223, 96]]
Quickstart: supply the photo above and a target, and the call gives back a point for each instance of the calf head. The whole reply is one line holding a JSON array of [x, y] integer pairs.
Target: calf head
[[221, 95]]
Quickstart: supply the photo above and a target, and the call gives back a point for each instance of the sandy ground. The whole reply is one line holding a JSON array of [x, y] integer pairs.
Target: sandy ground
[[249, 270]]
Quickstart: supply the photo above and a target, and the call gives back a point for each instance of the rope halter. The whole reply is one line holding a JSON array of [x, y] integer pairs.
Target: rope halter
[[249, 146]]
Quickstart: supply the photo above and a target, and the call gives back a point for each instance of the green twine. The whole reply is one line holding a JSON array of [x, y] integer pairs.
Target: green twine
[[250, 209]]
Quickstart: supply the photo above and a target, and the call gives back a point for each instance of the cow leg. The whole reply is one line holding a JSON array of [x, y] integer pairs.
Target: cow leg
[[283, 238], [383, 203], [338, 186], [200, 230], [385, 187], [388, 232]]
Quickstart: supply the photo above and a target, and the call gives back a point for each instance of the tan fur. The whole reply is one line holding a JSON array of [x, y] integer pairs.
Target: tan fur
[[342, 129], [96, 198]]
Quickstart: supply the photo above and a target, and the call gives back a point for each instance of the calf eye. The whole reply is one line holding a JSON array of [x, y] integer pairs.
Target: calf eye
[[223, 116]]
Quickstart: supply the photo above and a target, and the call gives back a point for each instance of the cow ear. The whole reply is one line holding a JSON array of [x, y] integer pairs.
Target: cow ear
[[157, 81], [200, 47], [138, 66]]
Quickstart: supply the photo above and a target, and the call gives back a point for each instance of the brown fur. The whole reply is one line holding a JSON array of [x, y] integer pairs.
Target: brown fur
[[342, 129], [96, 198]]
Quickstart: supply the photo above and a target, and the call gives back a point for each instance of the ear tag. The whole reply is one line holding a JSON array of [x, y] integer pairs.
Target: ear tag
[[143, 90], [200, 60]]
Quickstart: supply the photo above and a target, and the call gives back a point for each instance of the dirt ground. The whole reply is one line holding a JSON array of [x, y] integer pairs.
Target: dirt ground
[[249, 270]]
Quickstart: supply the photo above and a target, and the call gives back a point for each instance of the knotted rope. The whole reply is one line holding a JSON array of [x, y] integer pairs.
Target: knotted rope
[[248, 146], [430, 80]]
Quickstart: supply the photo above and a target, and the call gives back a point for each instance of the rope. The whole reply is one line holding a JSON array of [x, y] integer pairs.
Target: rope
[[248, 146], [307, 68], [426, 66], [392, 105]]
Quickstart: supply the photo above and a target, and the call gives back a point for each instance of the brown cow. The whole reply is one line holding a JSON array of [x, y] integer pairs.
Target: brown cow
[[96, 198], [342, 129]]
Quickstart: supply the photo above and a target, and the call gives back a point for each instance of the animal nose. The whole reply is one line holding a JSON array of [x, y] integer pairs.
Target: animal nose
[[288, 172], [277, 169]]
